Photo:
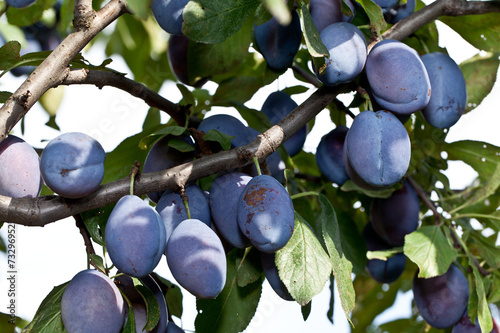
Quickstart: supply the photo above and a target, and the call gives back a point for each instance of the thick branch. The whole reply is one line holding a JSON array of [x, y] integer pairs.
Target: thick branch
[[102, 78], [43, 210]]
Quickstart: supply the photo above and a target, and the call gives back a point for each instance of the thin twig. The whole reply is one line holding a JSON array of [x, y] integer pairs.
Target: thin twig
[[425, 198], [85, 234]]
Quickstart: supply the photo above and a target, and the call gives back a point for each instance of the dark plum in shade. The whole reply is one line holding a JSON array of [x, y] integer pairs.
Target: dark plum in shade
[[135, 236], [377, 150], [326, 12], [20, 3], [265, 213], [178, 59], [401, 11], [91, 302], [276, 107], [386, 4], [228, 125], [329, 155], [346, 45], [382, 271], [173, 211], [449, 92], [442, 300], [464, 325], [196, 258], [173, 328], [168, 14], [395, 217], [20, 173], [397, 77], [279, 44], [72, 165], [161, 156], [223, 199], [272, 276]]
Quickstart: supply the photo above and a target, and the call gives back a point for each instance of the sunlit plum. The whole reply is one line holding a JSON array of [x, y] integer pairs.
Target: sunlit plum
[[91, 302], [168, 14], [196, 258], [20, 173], [449, 92], [397, 77], [279, 44], [135, 236], [377, 150], [272, 276], [265, 213], [442, 300], [72, 165], [329, 155], [276, 107], [326, 12], [346, 45], [178, 59], [395, 217]]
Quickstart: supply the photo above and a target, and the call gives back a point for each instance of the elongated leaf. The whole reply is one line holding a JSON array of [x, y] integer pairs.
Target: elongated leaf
[[375, 14], [303, 265], [430, 250], [27, 16], [279, 9], [152, 306], [481, 156], [173, 295], [311, 35], [488, 251], [217, 136], [9, 54], [4, 96], [483, 311], [8, 323], [139, 7], [148, 140], [48, 316]]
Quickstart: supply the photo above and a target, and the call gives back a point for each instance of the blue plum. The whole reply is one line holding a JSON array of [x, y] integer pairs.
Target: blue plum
[[449, 92], [442, 300], [382, 271], [399, 12], [178, 59], [276, 107], [386, 4], [173, 211], [196, 258], [135, 236], [228, 125], [161, 156], [397, 77], [272, 276], [465, 325], [377, 150], [265, 213], [395, 217], [278, 44], [329, 155], [223, 199], [20, 173], [91, 302], [72, 164], [168, 14], [20, 3], [326, 12], [173, 328], [346, 45]]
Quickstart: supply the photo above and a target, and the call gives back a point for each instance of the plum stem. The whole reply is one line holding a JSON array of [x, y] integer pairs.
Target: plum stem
[[257, 165], [185, 200]]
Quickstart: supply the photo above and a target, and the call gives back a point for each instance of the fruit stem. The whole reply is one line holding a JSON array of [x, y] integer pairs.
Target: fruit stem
[[185, 200], [303, 194], [257, 165]]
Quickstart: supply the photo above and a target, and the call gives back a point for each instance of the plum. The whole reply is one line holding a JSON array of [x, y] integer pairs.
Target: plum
[[449, 92], [464, 325], [196, 258], [401, 11], [173, 328], [178, 59], [274, 161], [20, 3], [382, 271], [224, 195], [72, 164], [135, 236], [173, 211], [20, 173], [329, 155], [276, 107], [442, 300], [161, 156], [377, 150], [272, 276], [386, 4], [91, 302], [228, 125], [168, 14], [326, 12], [265, 213], [278, 44], [396, 216], [397, 77], [346, 45]]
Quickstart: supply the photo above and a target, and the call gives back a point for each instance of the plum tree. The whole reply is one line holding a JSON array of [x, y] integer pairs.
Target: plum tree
[[91, 302], [265, 213], [197, 259], [329, 155], [168, 14], [326, 12], [135, 236], [72, 164]]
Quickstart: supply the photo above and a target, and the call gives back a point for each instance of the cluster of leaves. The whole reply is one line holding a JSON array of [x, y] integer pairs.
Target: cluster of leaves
[[327, 242]]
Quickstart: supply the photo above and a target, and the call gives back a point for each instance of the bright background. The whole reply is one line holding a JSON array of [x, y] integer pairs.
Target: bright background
[[52, 255]]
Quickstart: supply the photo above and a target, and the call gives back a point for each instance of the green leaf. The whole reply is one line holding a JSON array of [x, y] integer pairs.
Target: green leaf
[[98, 262], [48, 318], [8, 323], [482, 31], [279, 9], [213, 21], [233, 309], [483, 311], [217, 136], [152, 306], [374, 12], [180, 145], [303, 265], [4, 96], [148, 140], [52, 99], [227, 95], [384, 193], [481, 156], [9, 54], [173, 295], [430, 250], [139, 7], [314, 43], [342, 268], [488, 251], [187, 95], [95, 221], [383, 255], [23, 17], [250, 267], [130, 325], [480, 75], [306, 310]]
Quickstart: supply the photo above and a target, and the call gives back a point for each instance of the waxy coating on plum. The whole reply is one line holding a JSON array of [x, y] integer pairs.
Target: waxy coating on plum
[[326, 12]]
